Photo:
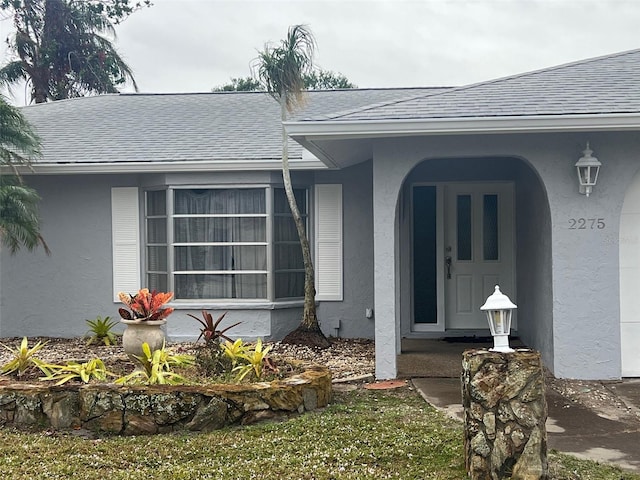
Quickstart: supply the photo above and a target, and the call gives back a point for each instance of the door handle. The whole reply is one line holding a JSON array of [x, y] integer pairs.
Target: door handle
[[447, 262]]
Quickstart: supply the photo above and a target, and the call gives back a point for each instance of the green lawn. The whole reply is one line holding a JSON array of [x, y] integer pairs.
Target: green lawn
[[362, 435]]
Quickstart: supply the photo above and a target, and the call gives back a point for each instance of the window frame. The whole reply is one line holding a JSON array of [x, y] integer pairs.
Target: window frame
[[296, 241], [147, 243], [269, 243]]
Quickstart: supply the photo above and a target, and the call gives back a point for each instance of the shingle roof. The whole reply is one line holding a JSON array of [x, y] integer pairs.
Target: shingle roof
[[603, 85], [208, 127]]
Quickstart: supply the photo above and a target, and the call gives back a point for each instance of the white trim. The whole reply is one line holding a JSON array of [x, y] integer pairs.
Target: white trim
[[306, 131], [247, 304], [125, 232], [329, 245], [163, 167], [629, 270]]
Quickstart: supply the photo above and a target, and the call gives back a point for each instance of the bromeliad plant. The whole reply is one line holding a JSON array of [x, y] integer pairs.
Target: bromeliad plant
[[145, 305], [93, 369], [237, 358], [234, 351], [209, 330], [255, 359], [100, 331], [156, 367], [24, 359], [210, 358]]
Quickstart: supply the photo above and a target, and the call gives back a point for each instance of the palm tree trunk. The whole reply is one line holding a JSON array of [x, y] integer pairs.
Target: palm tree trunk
[[309, 317]]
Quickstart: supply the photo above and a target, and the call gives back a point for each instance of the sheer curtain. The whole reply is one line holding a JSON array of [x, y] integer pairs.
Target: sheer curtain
[[156, 230], [217, 216], [287, 258]]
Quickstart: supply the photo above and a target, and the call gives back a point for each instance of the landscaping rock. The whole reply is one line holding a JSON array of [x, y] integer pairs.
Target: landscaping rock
[[139, 410], [505, 413]]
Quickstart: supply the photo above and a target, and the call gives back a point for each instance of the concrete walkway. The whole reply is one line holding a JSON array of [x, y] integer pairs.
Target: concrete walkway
[[571, 427]]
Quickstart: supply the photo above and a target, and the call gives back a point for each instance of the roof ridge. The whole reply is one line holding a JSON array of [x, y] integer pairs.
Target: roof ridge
[[482, 83], [385, 103], [543, 70], [232, 92], [71, 99], [226, 92]]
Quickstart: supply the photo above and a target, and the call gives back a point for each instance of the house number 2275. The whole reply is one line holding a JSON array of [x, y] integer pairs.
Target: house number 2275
[[586, 223]]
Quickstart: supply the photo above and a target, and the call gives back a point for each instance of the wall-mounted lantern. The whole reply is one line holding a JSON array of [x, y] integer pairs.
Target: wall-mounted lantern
[[499, 309], [588, 168]]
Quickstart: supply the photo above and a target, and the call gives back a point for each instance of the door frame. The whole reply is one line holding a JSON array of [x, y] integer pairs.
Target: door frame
[[440, 326]]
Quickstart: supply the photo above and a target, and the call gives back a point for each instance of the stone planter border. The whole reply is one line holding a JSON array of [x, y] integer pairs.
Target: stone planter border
[[135, 410]]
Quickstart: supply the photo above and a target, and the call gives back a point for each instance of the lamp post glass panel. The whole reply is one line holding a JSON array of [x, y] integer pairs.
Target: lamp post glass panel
[[499, 310], [588, 168]]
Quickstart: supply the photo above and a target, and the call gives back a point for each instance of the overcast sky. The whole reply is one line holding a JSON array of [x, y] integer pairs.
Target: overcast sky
[[194, 45]]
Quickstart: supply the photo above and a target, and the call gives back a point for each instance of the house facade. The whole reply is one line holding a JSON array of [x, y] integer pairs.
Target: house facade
[[418, 202]]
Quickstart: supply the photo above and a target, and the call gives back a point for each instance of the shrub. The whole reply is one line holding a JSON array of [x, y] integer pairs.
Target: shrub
[[211, 361], [210, 358]]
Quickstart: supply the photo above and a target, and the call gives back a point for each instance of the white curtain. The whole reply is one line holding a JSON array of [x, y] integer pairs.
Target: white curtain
[[230, 258], [288, 262], [156, 213]]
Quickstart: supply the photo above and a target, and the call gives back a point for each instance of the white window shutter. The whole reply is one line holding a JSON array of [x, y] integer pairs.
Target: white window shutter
[[125, 231], [328, 229]]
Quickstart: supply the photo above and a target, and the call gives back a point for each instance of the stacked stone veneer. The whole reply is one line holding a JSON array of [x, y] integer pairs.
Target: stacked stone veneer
[[505, 412], [134, 410]]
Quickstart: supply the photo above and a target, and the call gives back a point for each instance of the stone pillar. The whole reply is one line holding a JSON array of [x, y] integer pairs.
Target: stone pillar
[[505, 411]]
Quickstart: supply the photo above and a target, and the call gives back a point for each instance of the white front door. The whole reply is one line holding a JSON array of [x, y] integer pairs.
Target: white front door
[[478, 250]]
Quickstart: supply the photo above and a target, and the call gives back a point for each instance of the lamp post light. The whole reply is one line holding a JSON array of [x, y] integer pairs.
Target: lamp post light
[[499, 309], [588, 168]]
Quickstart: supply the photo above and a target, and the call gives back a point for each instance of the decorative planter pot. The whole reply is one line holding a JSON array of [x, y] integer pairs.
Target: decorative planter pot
[[138, 332]]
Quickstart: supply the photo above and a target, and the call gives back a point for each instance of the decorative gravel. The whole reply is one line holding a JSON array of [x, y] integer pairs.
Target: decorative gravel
[[346, 358]]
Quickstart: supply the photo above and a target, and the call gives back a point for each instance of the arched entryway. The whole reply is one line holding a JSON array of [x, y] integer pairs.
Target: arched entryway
[[465, 225]]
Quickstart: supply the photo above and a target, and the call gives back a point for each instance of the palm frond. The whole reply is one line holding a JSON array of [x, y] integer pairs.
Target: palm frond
[[18, 142], [19, 220], [11, 73], [281, 69]]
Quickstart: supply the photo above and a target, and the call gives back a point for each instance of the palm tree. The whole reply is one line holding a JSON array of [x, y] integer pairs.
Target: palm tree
[[19, 222], [18, 142], [61, 49], [281, 69]]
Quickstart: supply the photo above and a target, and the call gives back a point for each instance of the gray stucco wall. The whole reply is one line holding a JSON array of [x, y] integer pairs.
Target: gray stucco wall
[[533, 260], [53, 295], [358, 254], [585, 262], [584, 290]]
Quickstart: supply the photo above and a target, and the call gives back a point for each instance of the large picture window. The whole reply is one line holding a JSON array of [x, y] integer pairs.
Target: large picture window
[[220, 243], [223, 243]]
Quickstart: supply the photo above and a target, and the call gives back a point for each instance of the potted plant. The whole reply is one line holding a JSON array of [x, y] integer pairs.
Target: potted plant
[[144, 319]]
